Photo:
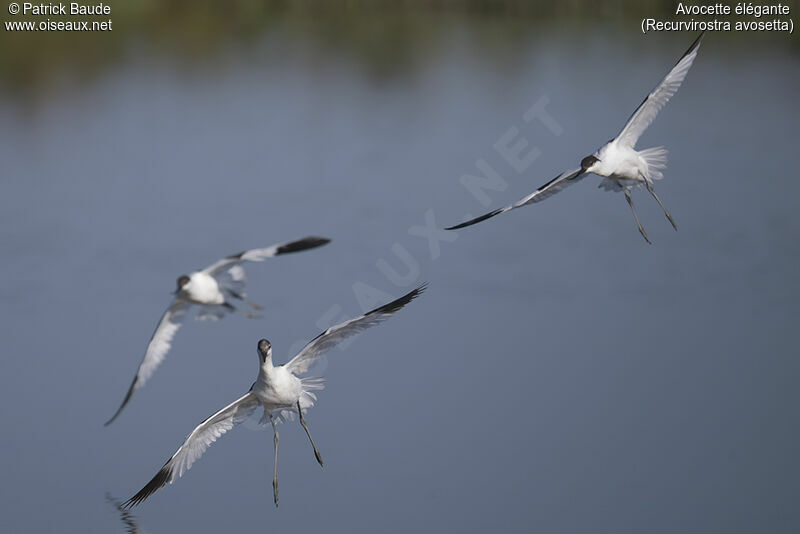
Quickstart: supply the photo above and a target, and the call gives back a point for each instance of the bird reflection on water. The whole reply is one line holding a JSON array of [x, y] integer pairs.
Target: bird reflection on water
[[127, 517]]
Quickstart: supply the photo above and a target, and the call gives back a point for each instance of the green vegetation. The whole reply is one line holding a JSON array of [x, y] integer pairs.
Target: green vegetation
[[375, 32]]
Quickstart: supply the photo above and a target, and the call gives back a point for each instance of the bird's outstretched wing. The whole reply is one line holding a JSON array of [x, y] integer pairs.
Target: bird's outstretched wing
[[260, 254], [196, 444], [547, 190], [157, 349], [649, 108], [338, 333]]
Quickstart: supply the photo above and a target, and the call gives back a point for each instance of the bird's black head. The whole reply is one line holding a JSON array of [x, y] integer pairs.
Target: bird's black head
[[264, 349], [182, 281], [588, 161]]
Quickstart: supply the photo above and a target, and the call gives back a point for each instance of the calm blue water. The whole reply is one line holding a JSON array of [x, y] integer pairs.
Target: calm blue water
[[559, 375]]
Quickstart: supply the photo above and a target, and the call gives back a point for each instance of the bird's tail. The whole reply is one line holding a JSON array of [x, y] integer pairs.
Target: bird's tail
[[310, 385], [656, 159]]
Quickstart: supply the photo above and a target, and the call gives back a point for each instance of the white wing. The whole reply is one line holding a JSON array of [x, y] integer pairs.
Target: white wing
[[547, 190], [336, 334], [656, 100], [231, 263], [157, 349], [196, 444]]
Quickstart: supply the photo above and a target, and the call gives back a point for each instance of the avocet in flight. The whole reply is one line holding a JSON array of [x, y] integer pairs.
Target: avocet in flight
[[278, 390], [621, 165], [210, 290]]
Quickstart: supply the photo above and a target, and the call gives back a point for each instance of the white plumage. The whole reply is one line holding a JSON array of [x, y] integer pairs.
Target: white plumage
[[622, 167], [278, 390], [209, 290]]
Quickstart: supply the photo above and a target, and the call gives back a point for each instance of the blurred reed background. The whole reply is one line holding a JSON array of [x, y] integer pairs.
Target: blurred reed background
[[385, 35]]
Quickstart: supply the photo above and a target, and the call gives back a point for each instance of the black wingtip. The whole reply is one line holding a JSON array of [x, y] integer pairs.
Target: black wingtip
[[116, 414], [158, 482], [303, 244], [695, 44], [476, 219], [397, 304], [124, 402]]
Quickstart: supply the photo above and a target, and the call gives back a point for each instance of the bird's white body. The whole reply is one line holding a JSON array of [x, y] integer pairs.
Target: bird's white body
[[277, 388], [619, 163], [202, 288], [626, 167]]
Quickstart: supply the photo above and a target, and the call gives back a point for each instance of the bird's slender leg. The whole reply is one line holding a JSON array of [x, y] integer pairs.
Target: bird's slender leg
[[275, 476], [305, 427], [241, 297], [653, 192], [230, 307], [635, 216]]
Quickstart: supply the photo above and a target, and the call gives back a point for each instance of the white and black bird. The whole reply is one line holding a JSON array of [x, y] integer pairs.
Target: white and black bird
[[278, 390], [210, 290], [621, 165]]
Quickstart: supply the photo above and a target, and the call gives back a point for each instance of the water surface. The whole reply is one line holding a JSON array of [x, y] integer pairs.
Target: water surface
[[559, 375]]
